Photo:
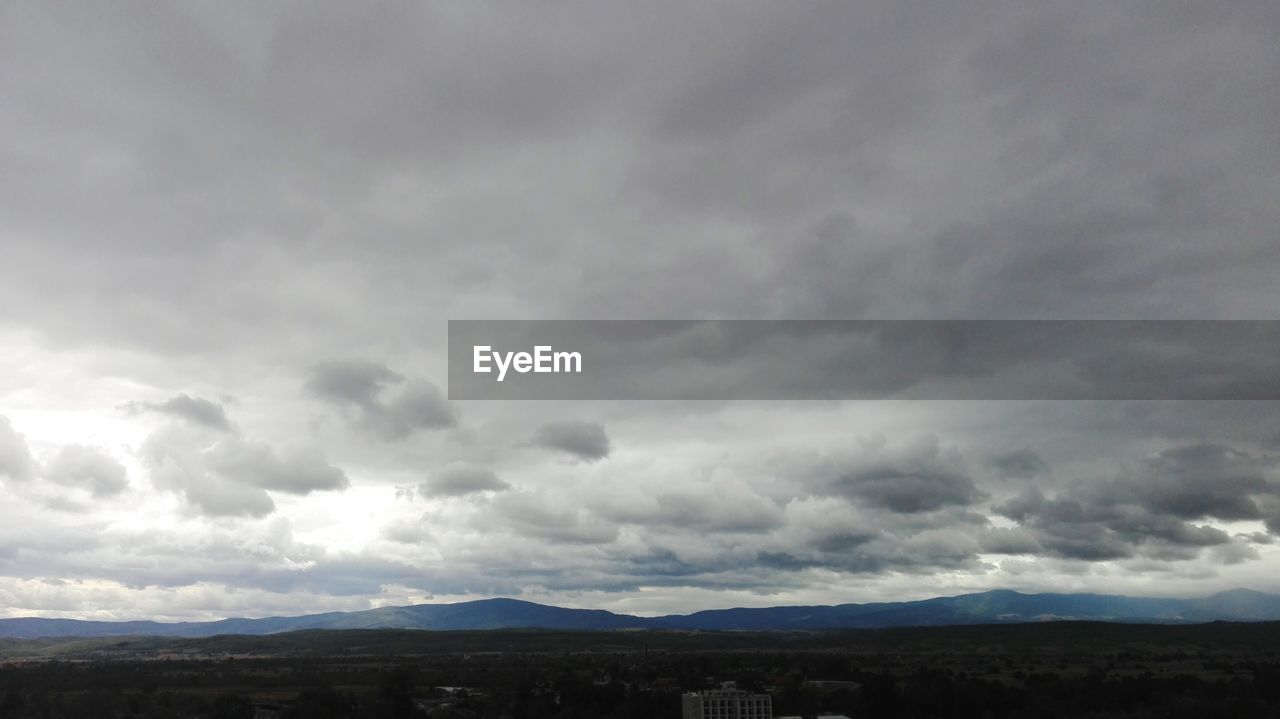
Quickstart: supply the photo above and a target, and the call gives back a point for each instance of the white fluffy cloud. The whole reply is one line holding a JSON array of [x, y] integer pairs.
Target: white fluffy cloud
[[220, 472], [16, 462], [88, 467]]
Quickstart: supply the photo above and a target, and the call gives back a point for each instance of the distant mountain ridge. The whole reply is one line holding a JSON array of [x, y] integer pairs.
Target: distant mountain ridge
[[993, 607]]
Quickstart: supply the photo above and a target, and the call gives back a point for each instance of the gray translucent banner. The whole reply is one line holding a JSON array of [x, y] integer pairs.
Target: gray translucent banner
[[825, 359]]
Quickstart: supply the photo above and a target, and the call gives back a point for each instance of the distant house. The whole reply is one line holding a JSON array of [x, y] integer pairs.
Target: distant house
[[727, 702]]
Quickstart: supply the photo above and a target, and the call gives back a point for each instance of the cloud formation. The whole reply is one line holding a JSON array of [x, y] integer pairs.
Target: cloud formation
[[716, 506], [16, 462], [223, 473], [88, 467], [543, 516], [919, 477], [459, 479], [583, 440], [1021, 464], [1154, 510], [176, 460], [191, 409], [357, 387], [299, 470]]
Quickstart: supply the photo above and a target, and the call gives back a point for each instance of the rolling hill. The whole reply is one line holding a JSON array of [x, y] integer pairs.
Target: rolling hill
[[993, 607]]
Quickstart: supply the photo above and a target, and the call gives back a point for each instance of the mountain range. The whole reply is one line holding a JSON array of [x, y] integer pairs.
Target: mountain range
[[993, 607]]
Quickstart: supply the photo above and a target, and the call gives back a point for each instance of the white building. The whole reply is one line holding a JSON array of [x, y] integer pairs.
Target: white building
[[727, 702]]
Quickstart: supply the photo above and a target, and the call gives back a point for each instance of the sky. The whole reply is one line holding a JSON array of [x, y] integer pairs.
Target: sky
[[231, 236]]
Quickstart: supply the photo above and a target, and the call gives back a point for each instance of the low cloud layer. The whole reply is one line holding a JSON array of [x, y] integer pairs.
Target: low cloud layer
[[920, 477], [1163, 509]]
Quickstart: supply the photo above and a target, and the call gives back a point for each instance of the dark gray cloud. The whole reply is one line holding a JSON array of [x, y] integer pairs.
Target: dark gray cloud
[[1070, 528], [361, 388], [16, 462], [88, 467], [1207, 480], [705, 506], [1152, 510], [853, 539], [459, 479], [920, 477], [1022, 464], [920, 553], [1041, 188], [908, 489], [581, 439]]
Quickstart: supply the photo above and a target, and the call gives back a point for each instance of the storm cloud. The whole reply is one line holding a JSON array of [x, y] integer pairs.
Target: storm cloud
[[922, 476], [1022, 464], [1154, 510]]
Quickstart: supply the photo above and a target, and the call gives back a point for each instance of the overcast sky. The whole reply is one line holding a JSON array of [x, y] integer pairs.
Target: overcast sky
[[231, 235]]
